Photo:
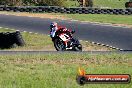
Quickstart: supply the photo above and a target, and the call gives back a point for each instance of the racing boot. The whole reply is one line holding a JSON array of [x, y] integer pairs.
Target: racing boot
[[68, 45]]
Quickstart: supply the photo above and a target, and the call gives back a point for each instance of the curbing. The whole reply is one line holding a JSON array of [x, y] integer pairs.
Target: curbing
[[106, 46]]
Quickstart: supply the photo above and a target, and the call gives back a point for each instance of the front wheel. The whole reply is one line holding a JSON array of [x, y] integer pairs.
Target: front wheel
[[59, 44]]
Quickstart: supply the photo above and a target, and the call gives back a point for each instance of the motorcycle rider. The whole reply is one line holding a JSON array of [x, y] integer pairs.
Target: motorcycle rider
[[55, 29]]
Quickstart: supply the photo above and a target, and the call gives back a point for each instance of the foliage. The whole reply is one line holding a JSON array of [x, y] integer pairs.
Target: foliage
[[32, 2]]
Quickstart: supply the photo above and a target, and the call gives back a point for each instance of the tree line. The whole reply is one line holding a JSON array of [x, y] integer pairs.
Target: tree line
[[32, 2]]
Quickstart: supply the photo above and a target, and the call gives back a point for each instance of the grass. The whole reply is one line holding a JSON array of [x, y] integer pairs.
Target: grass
[[102, 3], [110, 3], [59, 70], [42, 42], [71, 3], [34, 42], [103, 18]]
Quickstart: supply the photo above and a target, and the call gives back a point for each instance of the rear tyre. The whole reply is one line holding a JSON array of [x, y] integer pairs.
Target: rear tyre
[[76, 45], [78, 48]]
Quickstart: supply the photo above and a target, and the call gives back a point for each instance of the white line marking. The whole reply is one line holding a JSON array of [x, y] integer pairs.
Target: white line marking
[[114, 47], [106, 23], [107, 45], [30, 32], [98, 43], [117, 48], [121, 49], [12, 29], [111, 46], [24, 31], [102, 44], [6, 28], [93, 42], [30, 16], [74, 20], [103, 24]]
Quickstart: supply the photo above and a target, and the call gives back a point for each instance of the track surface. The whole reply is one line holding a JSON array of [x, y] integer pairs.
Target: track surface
[[115, 36], [66, 52]]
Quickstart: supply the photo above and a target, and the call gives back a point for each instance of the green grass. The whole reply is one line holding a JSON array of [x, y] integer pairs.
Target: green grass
[[103, 18], [71, 3], [33, 41], [42, 42], [110, 3], [102, 3], [59, 70]]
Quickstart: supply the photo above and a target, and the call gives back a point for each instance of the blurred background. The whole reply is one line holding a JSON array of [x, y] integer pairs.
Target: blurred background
[[68, 3]]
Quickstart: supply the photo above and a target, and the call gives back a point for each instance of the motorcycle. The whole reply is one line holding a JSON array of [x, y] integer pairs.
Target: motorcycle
[[64, 41]]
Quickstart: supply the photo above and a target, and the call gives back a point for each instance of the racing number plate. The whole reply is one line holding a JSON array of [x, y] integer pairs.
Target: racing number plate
[[64, 37]]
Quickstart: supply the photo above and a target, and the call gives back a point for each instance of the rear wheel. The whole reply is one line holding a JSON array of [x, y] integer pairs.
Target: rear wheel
[[76, 45], [59, 45], [78, 48]]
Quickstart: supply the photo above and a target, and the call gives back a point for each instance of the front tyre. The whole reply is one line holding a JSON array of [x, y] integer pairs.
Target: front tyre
[[59, 45]]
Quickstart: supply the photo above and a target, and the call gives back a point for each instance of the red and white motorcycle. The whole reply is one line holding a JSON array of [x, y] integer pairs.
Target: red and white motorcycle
[[65, 41]]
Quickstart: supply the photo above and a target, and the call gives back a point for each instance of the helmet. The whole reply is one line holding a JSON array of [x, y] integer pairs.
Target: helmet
[[53, 24]]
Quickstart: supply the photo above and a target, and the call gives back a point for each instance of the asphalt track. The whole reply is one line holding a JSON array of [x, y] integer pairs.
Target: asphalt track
[[119, 37]]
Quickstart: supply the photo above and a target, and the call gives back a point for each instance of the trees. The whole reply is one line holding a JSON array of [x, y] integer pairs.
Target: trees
[[51, 2], [32, 2], [89, 3], [86, 3], [3, 2], [128, 4], [9, 2]]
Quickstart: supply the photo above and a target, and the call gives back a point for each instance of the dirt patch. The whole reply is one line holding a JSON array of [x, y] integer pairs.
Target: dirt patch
[[84, 61]]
